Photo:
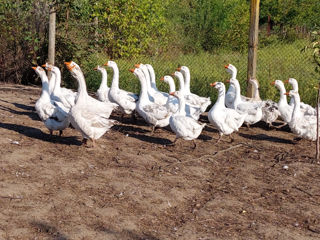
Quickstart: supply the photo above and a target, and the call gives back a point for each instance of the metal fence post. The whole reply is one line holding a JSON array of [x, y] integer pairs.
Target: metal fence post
[[253, 44]]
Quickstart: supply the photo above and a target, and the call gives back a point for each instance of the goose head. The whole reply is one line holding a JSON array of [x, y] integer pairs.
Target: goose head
[[219, 86], [39, 70], [231, 69], [110, 64], [278, 84], [233, 81], [99, 68], [73, 68], [177, 94], [292, 93], [183, 69], [293, 82], [254, 82], [178, 74], [166, 79]]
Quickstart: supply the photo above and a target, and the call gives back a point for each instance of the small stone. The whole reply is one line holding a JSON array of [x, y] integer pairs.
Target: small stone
[[285, 167]]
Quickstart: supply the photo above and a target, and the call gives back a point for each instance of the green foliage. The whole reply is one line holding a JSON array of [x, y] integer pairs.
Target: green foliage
[[208, 25], [129, 27]]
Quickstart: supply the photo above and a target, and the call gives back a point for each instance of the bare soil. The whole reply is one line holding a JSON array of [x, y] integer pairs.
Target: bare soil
[[264, 185]]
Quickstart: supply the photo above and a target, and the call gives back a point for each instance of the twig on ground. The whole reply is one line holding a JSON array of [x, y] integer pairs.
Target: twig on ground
[[227, 149], [11, 198], [309, 194]]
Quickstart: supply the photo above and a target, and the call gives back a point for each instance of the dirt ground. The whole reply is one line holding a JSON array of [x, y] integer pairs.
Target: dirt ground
[[264, 185]]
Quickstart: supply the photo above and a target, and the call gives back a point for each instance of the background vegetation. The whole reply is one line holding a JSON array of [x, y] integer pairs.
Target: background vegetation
[[202, 34]]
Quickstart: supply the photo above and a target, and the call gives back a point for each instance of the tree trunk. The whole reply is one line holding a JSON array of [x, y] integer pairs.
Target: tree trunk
[[317, 106], [52, 36], [253, 44]]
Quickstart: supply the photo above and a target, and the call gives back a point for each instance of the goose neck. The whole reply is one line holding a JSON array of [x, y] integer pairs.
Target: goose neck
[[104, 78], [82, 88], [115, 79], [143, 98], [182, 106], [172, 87], [296, 108], [153, 79], [45, 87], [221, 98], [283, 97], [187, 82]]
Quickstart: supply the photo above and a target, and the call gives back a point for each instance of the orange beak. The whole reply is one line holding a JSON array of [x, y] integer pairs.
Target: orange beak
[[105, 64], [96, 68], [162, 79], [226, 66], [286, 81], [179, 69], [273, 83], [34, 68], [68, 66], [131, 70], [44, 65], [137, 65], [213, 84], [286, 93], [228, 81], [172, 93]]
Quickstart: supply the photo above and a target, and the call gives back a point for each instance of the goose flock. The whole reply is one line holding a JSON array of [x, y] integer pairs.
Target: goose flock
[[59, 107]]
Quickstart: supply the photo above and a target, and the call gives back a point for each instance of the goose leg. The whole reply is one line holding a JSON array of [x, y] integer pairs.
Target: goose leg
[[133, 115], [60, 133], [220, 136], [282, 125], [231, 139], [51, 132], [84, 141], [194, 144]]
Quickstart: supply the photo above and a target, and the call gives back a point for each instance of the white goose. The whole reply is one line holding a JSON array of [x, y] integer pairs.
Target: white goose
[[184, 126], [154, 94], [103, 90], [152, 77], [226, 120], [62, 96], [89, 115], [309, 110], [231, 93], [303, 125], [202, 101], [54, 118], [155, 114], [126, 100], [270, 112], [173, 103], [253, 110], [284, 108]]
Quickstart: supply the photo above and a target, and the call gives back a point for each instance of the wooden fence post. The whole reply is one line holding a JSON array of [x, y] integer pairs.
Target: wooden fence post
[[253, 44], [52, 36]]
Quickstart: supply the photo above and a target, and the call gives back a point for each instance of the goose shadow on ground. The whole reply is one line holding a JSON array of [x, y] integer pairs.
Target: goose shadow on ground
[[30, 111], [51, 231], [128, 129], [38, 134], [19, 105], [151, 139], [125, 234], [127, 119], [264, 137]]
